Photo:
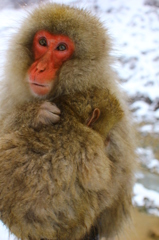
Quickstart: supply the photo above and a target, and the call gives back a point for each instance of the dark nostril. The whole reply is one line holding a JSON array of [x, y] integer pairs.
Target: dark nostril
[[40, 70], [41, 67]]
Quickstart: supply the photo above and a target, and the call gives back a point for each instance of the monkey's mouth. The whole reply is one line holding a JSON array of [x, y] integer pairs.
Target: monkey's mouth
[[39, 89], [39, 85]]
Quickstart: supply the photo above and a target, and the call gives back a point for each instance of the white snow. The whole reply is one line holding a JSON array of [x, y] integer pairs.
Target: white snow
[[4, 233], [146, 128], [154, 165], [146, 157], [147, 198], [134, 28]]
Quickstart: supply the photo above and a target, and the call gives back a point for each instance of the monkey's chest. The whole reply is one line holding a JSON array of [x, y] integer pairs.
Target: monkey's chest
[[42, 179]]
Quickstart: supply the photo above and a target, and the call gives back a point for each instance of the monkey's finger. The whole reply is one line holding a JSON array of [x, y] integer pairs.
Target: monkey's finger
[[51, 107], [54, 109], [46, 117]]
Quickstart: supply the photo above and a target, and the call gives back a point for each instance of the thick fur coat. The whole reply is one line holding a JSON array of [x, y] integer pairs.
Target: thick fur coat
[[58, 181]]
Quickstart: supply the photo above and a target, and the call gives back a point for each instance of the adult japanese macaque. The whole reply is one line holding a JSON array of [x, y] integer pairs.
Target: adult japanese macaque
[[66, 143]]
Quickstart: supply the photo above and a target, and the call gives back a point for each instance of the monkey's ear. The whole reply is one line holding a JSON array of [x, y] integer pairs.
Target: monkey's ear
[[94, 117]]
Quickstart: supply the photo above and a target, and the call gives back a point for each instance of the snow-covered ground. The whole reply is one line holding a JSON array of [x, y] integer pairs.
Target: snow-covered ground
[[146, 199], [134, 28]]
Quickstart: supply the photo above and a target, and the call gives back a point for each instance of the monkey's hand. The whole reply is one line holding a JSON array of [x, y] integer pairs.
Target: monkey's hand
[[48, 113]]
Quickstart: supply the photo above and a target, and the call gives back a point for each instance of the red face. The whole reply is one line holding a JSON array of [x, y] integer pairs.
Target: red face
[[50, 52]]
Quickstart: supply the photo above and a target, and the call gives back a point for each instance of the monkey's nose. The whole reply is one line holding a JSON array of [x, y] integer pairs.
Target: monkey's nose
[[41, 67]]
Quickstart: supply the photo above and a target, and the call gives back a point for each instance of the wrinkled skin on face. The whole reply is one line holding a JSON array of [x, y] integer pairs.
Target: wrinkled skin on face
[[50, 52]]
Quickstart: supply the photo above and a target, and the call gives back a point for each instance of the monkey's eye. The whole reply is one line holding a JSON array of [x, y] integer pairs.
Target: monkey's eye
[[61, 47], [43, 42]]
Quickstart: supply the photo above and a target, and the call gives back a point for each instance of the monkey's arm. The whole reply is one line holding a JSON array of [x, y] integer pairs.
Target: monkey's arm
[[33, 114]]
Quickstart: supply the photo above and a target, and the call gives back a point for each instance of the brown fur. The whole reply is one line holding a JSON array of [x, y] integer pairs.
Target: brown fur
[[60, 181]]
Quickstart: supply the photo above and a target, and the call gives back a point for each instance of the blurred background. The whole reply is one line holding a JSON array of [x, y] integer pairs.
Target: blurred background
[[134, 28]]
